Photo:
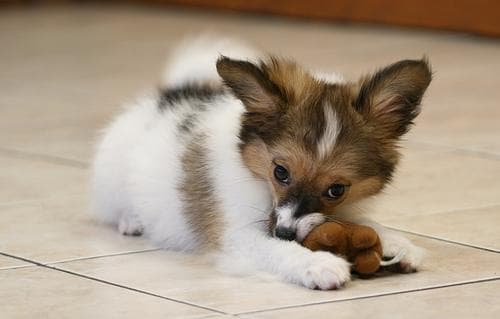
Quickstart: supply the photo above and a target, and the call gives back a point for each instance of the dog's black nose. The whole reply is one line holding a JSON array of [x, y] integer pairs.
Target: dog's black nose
[[285, 233]]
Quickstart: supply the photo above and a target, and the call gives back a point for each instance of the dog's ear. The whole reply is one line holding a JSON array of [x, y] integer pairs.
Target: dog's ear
[[251, 84], [390, 98], [263, 99]]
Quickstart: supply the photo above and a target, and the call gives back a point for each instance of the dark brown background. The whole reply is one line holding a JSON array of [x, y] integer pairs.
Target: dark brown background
[[481, 16]]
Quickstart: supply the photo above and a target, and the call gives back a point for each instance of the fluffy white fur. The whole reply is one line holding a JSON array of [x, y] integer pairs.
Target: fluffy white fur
[[138, 166]]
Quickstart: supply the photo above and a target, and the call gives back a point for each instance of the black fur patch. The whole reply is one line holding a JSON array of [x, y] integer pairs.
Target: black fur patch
[[169, 97], [306, 205], [266, 126]]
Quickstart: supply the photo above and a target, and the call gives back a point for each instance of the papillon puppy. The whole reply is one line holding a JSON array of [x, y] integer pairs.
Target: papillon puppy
[[243, 154]]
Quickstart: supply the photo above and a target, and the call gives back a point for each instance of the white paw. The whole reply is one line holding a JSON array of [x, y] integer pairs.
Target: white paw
[[412, 261], [326, 271], [412, 255], [130, 226]]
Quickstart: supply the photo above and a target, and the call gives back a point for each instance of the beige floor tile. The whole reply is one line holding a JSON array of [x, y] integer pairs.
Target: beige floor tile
[[7, 262], [477, 227], [460, 109], [42, 293], [73, 139], [63, 117], [25, 179], [479, 300], [60, 229], [433, 181], [192, 279]]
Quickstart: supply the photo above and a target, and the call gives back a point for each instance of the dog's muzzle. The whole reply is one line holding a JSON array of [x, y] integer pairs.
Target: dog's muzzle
[[285, 233]]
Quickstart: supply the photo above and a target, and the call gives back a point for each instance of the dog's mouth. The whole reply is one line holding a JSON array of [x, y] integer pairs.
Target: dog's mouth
[[295, 229]]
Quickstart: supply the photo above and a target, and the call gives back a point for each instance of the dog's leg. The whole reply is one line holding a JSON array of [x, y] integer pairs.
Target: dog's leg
[[288, 260]]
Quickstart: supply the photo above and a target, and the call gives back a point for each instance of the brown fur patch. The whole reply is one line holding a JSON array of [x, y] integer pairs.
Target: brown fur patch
[[364, 188], [257, 158], [200, 204]]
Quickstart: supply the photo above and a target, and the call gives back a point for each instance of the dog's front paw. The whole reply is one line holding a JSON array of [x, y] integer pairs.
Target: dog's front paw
[[326, 271], [412, 261], [130, 226], [412, 254]]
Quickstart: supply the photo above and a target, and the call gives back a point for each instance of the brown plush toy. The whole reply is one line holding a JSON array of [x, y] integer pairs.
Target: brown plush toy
[[359, 244]]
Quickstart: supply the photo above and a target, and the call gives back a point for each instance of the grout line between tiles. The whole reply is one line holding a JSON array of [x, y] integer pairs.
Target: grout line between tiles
[[491, 250], [47, 266], [464, 209], [63, 261], [16, 267], [43, 157], [134, 289], [112, 283], [462, 283], [132, 252], [454, 210]]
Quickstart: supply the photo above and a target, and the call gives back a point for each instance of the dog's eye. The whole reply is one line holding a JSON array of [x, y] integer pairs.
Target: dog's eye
[[335, 191], [281, 174]]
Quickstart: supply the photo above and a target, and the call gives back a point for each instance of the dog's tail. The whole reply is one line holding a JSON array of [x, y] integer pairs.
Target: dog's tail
[[194, 59]]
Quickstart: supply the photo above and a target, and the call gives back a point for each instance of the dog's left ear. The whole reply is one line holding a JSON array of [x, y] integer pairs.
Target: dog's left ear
[[251, 84], [390, 98]]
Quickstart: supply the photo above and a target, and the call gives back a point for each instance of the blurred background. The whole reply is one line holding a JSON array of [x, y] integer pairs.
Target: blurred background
[[96, 55], [480, 16]]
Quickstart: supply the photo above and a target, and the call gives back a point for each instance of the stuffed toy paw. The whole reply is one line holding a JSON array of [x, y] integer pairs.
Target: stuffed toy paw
[[359, 244]]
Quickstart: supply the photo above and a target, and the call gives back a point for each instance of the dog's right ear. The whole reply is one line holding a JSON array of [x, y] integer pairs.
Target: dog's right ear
[[390, 98], [251, 84]]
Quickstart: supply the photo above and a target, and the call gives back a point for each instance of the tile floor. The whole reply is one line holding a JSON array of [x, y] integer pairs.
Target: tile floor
[[64, 71]]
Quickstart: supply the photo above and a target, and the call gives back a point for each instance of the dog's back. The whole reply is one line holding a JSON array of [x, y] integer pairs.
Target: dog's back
[[140, 161]]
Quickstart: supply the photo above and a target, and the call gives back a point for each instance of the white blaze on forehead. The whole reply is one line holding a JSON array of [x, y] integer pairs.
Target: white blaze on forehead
[[329, 77], [332, 128], [284, 216]]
